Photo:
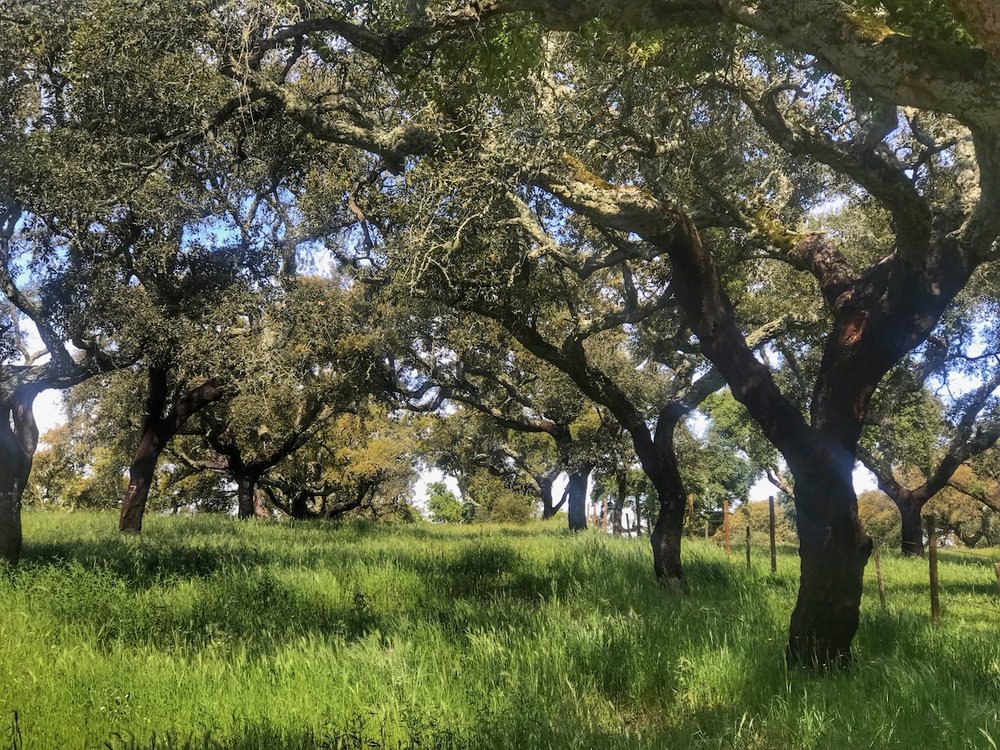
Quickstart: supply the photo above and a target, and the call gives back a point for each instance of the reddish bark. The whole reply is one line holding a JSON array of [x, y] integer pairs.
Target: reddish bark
[[157, 431]]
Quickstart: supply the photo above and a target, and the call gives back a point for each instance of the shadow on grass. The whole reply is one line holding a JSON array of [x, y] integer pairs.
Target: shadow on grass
[[142, 565], [190, 590]]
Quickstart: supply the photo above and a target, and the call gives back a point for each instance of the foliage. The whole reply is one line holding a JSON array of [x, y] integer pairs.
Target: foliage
[[880, 518], [71, 474], [759, 517], [442, 504]]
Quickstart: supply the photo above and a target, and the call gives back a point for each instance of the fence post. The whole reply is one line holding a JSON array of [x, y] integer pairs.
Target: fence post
[[725, 524], [770, 523], [932, 558], [748, 541], [690, 516], [878, 575], [997, 566]]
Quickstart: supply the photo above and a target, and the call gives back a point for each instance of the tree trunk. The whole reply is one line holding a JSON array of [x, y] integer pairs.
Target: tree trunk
[[578, 480], [141, 474], [157, 431], [668, 530], [18, 440], [246, 495], [913, 532], [147, 454], [548, 506], [622, 482], [300, 506], [833, 552]]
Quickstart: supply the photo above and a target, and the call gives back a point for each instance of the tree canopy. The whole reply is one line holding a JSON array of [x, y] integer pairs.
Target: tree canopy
[[710, 240]]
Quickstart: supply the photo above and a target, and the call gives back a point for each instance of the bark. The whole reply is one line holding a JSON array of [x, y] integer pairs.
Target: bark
[[621, 480], [578, 480], [157, 431], [878, 316], [141, 474], [982, 20], [667, 532], [833, 552], [246, 494], [913, 532], [548, 506], [300, 506], [658, 459], [18, 441]]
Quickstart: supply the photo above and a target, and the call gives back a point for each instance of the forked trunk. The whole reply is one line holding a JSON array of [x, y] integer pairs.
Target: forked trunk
[[833, 552], [157, 431], [578, 480]]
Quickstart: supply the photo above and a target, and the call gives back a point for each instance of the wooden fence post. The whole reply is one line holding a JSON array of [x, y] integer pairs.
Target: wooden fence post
[[690, 516], [770, 523], [932, 558], [878, 575], [997, 566], [748, 541], [725, 524]]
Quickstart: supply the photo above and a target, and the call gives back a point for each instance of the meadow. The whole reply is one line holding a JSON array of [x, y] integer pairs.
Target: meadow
[[212, 633]]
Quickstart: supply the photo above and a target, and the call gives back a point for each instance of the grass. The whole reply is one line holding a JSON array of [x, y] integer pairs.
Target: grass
[[210, 633]]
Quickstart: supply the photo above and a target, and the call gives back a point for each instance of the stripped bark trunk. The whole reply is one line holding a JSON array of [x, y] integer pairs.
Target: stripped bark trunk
[[157, 431]]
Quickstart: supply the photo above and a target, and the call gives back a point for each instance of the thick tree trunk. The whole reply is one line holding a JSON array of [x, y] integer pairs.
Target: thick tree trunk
[[18, 440], [913, 532], [12, 481], [668, 530], [141, 474], [147, 454], [833, 552], [246, 495], [578, 480]]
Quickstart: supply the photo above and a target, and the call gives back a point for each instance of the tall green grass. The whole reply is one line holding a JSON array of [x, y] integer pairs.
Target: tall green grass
[[211, 633]]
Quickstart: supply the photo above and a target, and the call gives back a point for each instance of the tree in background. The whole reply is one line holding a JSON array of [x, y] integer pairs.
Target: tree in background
[[443, 506]]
